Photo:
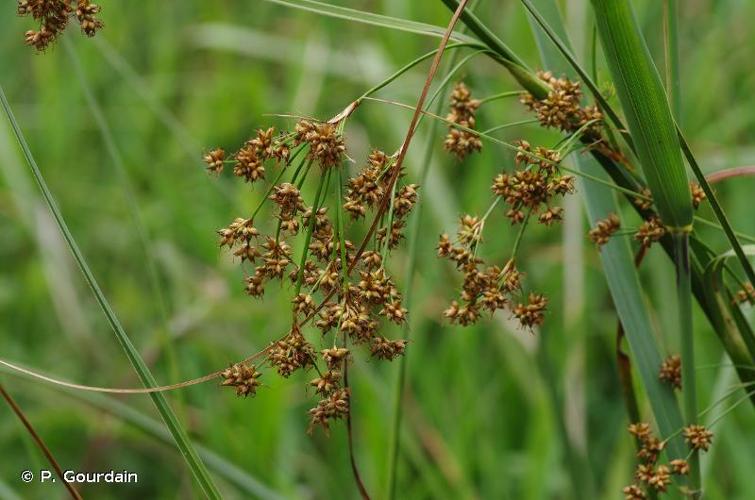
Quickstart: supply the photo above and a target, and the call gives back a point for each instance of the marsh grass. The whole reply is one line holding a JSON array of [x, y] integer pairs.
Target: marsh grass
[[436, 439]]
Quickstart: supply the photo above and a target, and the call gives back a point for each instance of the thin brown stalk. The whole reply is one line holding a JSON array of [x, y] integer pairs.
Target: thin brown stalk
[[38, 440], [350, 434], [728, 173]]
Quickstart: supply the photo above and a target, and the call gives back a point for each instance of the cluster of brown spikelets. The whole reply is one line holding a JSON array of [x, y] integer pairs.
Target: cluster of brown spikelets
[[346, 292], [53, 17], [671, 371], [562, 107], [650, 231], [528, 192], [462, 141], [655, 477]]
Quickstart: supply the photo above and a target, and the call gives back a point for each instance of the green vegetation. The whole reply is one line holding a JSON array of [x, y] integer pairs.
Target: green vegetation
[[118, 252]]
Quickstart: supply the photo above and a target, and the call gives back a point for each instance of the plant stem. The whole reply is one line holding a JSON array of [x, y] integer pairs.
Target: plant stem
[[684, 303], [38, 440], [315, 207]]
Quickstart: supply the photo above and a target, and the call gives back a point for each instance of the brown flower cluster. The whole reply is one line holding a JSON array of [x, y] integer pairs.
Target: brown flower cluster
[[604, 229], [649, 474], [532, 187], [367, 190], [562, 108], [650, 231], [53, 17], [698, 194], [249, 161], [243, 377], [326, 145], [486, 287], [745, 294], [345, 294], [671, 371], [698, 437], [459, 141]]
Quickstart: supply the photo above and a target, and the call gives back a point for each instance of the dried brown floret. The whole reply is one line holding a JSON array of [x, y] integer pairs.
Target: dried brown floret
[[660, 478], [291, 353], [650, 231], [698, 194], [679, 466], [335, 406], [634, 492], [382, 348], [604, 229], [698, 437], [671, 371], [53, 17], [532, 313], [459, 141], [326, 145], [243, 377], [334, 357], [646, 201], [215, 160], [327, 382], [562, 109], [745, 294]]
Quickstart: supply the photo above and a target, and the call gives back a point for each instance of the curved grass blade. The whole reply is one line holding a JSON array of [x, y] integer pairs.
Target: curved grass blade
[[361, 16], [179, 434]]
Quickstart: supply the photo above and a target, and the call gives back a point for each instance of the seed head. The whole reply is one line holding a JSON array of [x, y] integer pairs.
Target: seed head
[[243, 377], [214, 160], [679, 466], [462, 142], [531, 314], [698, 194], [671, 371], [604, 229], [382, 348], [634, 492], [335, 406], [326, 145], [650, 231], [698, 437]]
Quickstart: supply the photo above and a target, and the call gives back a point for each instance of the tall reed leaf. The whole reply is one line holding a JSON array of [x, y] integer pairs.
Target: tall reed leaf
[[647, 111], [179, 434], [616, 258], [657, 146]]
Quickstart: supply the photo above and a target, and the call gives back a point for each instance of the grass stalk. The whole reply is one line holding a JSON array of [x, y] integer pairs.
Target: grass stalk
[[684, 304]]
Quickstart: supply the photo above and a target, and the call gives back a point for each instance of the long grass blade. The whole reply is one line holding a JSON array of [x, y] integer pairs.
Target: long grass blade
[[179, 434], [618, 264], [364, 17]]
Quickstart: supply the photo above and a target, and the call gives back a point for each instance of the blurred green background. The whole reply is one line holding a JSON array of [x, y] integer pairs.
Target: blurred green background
[[490, 409]]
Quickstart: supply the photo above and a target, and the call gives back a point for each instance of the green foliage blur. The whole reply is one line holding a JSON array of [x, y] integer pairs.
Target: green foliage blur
[[490, 410]]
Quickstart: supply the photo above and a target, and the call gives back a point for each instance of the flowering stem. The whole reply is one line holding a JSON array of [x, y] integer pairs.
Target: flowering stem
[[413, 63], [684, 303], [502, 95], [519, 236], [315, 207]]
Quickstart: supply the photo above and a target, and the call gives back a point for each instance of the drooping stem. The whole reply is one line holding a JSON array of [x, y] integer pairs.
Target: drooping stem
[[684, 303]]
